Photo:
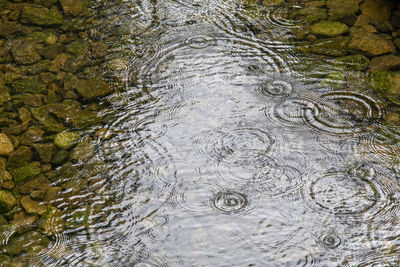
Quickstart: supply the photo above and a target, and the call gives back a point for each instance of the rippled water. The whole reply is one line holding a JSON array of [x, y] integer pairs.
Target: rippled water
[[228, 150]]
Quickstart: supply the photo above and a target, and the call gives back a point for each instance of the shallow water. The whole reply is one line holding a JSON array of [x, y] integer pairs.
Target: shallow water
[[228, 149]]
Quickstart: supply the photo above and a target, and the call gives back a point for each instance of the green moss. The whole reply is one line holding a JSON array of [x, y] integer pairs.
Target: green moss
[[66, 140], [353, 62], [329, 28], [7, 201], [42, 16], [23, 174], [29, 86], [331, 46]]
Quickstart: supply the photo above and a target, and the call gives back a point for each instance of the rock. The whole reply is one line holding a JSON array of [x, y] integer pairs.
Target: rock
[[39, 183], [369, 43], [309, 15], [52, 193], [27, 242], [33, 100], [29, 86], [6, 180], [72, 7], [51, 222], [272, 2], [45, 151], [387, 83], [335, 80], [329, 28], [51, 51], [7, 201], [375, 11], [25, 173], [93, 88], [32, 135], [31, 206], [331, 46], [6, 146], [83, 150], [38, 195], [66, 140], [342, 8], [20, 157], [25, 53], [24, 223], [60, 157], [3, 163], [353, 62], [78, 48], [10, 29], [4, 94], [49, 123], [386, 62], [42, 16]]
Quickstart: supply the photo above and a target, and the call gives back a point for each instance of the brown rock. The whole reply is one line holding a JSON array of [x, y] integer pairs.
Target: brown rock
[[31, 206], [6, 146], [387, 62]]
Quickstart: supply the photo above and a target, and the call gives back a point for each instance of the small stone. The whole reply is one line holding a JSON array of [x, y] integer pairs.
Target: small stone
[[342, 8], [52, 193], [387, 83], [45, 151], [66, 140], [353, 62], [31, 206], [370, 43], [23, 174], [386, 62], [7, 201], [40, 183], [38, 195], [6, 146], [329, 28], [272, 2], [83, 150], [375, 11], [25, 53], [23, 222], [6, 180], [331, 46], [27, 242], [29, 86], [93, 88], [20, 157], [60, 157], [42, 16], [72, 7], [51, 222]]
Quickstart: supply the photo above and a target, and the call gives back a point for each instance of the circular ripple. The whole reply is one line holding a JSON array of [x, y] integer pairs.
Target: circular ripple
[[283, 16], [277, 86], [194, 197], [239, 146], [342, 194], [293, 112], [229, 201], [329, 240], [169, 171], [344, 113], [383, 144], [200, 41]]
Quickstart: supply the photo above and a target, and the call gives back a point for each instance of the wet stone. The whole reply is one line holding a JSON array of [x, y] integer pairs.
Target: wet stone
[[42, 16], [375, 11], [329, 28], [342, 8], [72, 7], [20, 157], [31, 206], [25, 53], [331, 46], [6, 180], [66, 140], [353, 62], [25, 173], [7, 201], [369, 43], [51, 221], [23, 222], [6, 147], [386, 62], [60, 157], [45, 151], [27, 242], [39, 183], [83, 150], [387, 83]]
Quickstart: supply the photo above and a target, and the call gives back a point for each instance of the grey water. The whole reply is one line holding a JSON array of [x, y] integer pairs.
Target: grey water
[[228, 148]]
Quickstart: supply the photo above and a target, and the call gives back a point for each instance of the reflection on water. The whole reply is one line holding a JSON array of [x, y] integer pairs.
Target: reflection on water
[[226, 153]]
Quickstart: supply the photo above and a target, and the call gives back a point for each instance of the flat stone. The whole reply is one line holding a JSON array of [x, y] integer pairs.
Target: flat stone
[[369, 43], [7, 201], [25, 173], [331, 46], [375, 11], [353, 62], [6, 180], [39, 183], [25, 53], [386, 62], [45, 151], [387, 83], [20, 157], [31, 206], [342, 8], [29, 86], [66, 140], [329, 28], [42, 16], [6, 147]]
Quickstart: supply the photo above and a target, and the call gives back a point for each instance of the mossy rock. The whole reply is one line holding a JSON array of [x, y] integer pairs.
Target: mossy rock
[[45, 151], [83, 150], [51, 222], [27, 242], [6, 147], [329, 28], [352, 62], [32, 207], [29, 86], [93, 88], [39, 183], [335, 80], [66, 140], [25, 52], [369, 43], [342, 8], [49, 123], [25, 173], [7, 201], [309, 15], [387, 83], [42, 16], [20, 157], [376, 11], [331, 46]]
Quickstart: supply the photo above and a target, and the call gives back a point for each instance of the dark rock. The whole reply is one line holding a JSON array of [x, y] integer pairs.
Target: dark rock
[[331, 46], [39, 183], [42, 16], [386, 62], [60, 157], [371, 44], [25, 52], [25, 173], [20, 157], [45, 151], [29, 86]]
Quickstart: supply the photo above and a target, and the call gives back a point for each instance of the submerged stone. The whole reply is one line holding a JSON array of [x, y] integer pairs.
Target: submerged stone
[[20, 157], [6, 147], [386, 62], [310, 15], [331, 46], [49, 123], [362, 39], [39, 183], [83, 150], [42, 16], [329, 28], [342, 8], [31, 206], [72, 7], [25, 173], [387, 83], [51, 221], [375, 11], [60, 157], [353, 62], [29, 86], [66, 140], [7, 201], [27, 242], [45, 151], [6, 180], [25, 53], [93, 88]]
